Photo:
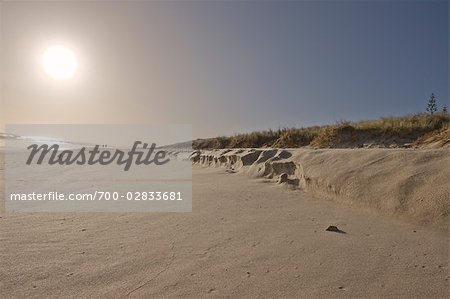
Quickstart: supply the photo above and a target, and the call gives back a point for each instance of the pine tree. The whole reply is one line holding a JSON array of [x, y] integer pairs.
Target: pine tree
[[432, 106], [444, 109]]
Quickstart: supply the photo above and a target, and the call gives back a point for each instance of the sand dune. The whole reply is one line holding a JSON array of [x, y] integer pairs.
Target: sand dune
[[412, 184]]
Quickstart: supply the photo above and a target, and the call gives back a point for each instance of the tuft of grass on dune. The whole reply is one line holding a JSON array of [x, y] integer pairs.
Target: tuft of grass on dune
[[403, 131]]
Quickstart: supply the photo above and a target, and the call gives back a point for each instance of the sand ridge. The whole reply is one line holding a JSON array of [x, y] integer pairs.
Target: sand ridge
[[412, 184]]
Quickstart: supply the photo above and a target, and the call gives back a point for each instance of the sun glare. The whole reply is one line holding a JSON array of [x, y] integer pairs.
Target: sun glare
[[59, 62]]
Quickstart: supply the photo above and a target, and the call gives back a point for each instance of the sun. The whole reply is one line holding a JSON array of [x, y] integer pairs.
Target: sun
[[59, 62]]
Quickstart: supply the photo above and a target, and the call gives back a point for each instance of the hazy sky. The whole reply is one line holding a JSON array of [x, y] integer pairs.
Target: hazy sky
[[225, 67]]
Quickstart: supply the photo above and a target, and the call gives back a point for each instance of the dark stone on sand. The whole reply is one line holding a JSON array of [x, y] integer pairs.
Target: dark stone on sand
[[335, 229]]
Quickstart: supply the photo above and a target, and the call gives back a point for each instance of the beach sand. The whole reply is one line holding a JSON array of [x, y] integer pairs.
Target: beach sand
[[244, 238]]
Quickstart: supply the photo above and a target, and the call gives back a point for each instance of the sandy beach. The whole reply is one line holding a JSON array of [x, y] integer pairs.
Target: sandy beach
[[224, 149], [244, 238]]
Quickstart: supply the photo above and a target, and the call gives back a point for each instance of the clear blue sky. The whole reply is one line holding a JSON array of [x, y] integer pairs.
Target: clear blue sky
[[311, 63], [229, 67]]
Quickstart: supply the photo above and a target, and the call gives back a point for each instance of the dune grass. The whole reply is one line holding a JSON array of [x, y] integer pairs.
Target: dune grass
[[386, 132]]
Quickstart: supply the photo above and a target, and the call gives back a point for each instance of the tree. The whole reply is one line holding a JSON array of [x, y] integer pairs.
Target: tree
[[432, 106], [444, 109]]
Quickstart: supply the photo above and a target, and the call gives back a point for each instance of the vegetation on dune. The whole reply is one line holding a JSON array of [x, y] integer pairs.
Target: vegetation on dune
[[385, 132], [432, 104]]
